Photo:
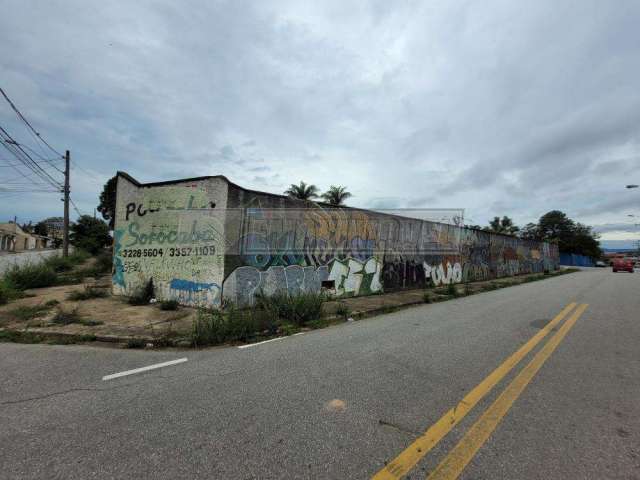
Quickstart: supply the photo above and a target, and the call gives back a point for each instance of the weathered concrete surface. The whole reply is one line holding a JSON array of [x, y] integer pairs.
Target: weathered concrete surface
[[8, 260], [339, 402]]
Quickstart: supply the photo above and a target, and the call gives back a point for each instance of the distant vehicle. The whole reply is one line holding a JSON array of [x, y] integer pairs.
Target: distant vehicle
[[622, 265], [600, 263]]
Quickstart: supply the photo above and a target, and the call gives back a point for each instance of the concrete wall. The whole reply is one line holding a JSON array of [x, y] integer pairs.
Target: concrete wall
[[8, 260], [171, 233], [255, 241], [277, 244]]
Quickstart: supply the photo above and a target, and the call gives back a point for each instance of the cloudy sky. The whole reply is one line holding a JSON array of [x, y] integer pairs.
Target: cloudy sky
[[496, 107]]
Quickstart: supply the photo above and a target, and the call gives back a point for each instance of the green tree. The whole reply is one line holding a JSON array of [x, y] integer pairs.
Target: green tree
[[41, 228], [302, 191], [572, 237], [90, 234], [503, 225], [336, 195], [107, 206], [530, 232]]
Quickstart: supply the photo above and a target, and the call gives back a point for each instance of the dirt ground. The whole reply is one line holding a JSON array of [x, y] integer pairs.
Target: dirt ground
[[114, 318]]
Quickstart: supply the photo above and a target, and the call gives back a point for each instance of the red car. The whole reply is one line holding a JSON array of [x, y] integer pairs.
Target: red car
[[623, 265]]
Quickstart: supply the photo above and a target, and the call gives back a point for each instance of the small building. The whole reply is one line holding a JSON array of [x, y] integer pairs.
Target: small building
[[204, 240], [15, 239]]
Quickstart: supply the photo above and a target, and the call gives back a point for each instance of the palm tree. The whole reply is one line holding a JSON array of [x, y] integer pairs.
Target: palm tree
[[502, 225], [336, 195], [302, 191]]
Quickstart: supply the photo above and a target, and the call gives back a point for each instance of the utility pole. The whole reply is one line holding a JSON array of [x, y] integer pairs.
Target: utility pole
[[65, 224]]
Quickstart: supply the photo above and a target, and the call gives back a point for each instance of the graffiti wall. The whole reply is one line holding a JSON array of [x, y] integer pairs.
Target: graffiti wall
[[205, 240], [280, 245], [173, 234]]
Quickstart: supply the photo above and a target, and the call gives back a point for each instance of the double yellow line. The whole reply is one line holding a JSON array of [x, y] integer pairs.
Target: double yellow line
[[457, 459]]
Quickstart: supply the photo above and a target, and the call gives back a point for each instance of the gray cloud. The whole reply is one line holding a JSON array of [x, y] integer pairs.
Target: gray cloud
[[500, 108]]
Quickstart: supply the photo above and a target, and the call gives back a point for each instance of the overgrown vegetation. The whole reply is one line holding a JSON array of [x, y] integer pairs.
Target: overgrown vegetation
[[452, 291], [296, 309], [29, 312], [143, 295], [169, 305], [38, 275], [269, 315], [426, 297], [31, 276], [67, 317], [343, 310], [88, 292]]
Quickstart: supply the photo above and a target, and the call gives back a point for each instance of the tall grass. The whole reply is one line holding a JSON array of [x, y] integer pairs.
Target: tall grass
[[231, 324], [269, 315], [31, 276], [39, 275], [297, 309]]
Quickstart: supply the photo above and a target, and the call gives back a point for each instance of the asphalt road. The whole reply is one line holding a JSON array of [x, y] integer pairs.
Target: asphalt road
[[343, 402]]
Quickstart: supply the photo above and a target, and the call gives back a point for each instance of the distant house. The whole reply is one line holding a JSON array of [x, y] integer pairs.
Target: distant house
[[14, 239]]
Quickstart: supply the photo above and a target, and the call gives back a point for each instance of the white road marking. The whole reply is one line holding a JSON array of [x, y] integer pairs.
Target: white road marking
[[143, 369], [267, 341], [260, 343]]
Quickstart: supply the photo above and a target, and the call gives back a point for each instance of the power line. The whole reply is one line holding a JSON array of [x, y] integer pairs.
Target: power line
[[23, 157], [26, 122], [75, 207]]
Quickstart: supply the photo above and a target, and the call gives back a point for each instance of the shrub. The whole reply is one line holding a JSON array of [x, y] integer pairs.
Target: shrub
[[297, 309], [87, 293], [169, 305], [343, 310], [426, 297], [31, 276], [29, 312], [59, 263], [232, 324], [104, 263], [66, 317], [136, 343], [452, 290], [143, 295]]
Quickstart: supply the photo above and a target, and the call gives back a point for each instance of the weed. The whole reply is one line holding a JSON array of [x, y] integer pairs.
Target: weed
[[288, 329], [29, 312], [87, 293], [104, 263], [452, 291], [31, 276], [467, 289], [19, 337], [136, 343], [51, 303], [426, 297], [319, 323], [232, 324], [66, 317], [297, 309], [343, 310], [143, 295], [169, 305]]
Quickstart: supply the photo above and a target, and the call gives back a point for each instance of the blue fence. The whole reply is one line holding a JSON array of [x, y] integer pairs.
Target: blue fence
[[574, 260]]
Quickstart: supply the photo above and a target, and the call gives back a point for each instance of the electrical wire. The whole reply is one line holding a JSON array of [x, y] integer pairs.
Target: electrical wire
[[26, 122], [23, 157]]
